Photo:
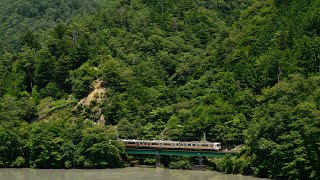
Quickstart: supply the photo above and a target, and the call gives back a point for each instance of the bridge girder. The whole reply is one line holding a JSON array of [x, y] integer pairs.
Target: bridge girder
[[177, 152]]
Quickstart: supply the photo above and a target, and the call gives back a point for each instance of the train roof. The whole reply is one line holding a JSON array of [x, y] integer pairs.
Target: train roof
[[135, 140], [167, 141]]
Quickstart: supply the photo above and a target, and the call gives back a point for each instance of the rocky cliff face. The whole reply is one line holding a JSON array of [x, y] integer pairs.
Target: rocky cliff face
[[90, 106]]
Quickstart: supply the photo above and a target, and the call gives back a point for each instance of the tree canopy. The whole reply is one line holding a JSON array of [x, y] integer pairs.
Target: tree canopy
[[76, 75]]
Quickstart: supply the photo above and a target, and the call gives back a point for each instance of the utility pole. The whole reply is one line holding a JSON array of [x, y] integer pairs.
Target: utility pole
[[162, 7], [116, 131], [204, 137]]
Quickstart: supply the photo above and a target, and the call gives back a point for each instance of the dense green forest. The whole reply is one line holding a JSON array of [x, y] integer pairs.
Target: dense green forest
[[76, 75]]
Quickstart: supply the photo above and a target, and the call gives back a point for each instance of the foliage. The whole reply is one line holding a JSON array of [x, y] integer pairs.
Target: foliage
[[21, 16], [242, 71], [285, 129], [59, 143], [226, 164], [182, 164], [149, 161]]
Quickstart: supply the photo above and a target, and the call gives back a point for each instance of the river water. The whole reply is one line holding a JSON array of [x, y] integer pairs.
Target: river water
[[134, 173]]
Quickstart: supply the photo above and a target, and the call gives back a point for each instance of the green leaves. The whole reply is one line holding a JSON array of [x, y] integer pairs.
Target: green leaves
[[60, 143], [127, 130], [278, 135], [229, 69]]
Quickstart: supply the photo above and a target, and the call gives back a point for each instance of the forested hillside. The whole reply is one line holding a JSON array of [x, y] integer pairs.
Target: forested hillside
[[19, 16], [75, 75]]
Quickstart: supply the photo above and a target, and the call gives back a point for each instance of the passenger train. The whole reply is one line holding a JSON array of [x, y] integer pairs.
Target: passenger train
[[160, 144]]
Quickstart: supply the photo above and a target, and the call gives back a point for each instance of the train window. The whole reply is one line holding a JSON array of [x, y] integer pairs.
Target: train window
[[154, 143], [189, 144], [167, 144]]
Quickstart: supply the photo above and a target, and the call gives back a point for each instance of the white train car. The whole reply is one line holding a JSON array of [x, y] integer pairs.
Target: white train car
[[159, 144]]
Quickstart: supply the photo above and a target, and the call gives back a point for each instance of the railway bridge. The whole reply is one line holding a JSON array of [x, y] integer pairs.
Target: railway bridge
[[175, 148], [164, 152]]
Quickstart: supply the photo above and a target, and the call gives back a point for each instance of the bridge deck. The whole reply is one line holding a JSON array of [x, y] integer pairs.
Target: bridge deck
[[179, 152]]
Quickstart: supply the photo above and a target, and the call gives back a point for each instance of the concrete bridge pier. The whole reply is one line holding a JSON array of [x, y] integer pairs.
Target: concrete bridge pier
[[158, 161], [200, 159]]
